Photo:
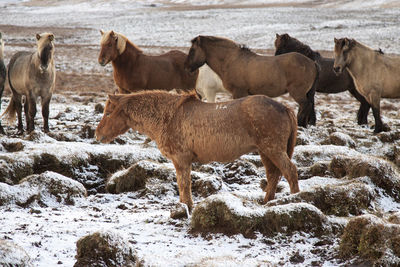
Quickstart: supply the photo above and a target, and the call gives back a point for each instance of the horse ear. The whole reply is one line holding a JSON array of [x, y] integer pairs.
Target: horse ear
[[51, 37], [335, 40], [38, 36], [277, 35], [101, 31]]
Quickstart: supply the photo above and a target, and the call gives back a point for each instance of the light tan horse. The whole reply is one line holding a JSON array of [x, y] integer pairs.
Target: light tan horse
[[375, 75], [246, 73], [187, 130], [32, 74], [133, 70]]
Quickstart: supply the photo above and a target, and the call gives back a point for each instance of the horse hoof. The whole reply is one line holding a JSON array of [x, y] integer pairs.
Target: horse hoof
[[180, 211]]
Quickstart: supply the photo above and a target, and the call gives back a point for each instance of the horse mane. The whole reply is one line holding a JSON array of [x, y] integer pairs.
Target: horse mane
[[379, 50], [121, 42], [221, 41], [303, 48]]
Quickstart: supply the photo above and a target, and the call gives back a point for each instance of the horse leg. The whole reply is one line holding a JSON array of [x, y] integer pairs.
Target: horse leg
[[362, 114], [210, 94], [302, 114], [31, 112], [287, 168], [184, 183], [374, 100], [45, 113], [273, 177], [18, 108]]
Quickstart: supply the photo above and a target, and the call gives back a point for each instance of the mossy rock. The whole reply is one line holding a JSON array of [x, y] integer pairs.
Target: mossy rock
[[12, 255], [228, 214], [371, 239], [207, 186], [340, 139], [13, 146], [13, 170], [46, 189], [339, 200], [381, 172], [135, 177], [105, 249]]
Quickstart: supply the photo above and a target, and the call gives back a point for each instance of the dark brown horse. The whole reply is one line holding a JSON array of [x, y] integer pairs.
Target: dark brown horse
[[3, 74], [187, 130], [135, 71], [375, 74], [245, 73], [328, 81], [32, 74]]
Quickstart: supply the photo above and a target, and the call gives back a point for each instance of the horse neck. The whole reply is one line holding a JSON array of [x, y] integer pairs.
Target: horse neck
[[128, 56], [151, 113], [360, 63], [308, 52], [216, 59]]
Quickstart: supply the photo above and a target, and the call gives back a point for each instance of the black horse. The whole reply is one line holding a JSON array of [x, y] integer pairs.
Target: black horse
[[328, 82]]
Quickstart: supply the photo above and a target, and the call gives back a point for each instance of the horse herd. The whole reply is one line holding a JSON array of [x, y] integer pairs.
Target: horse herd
[[188, 130]]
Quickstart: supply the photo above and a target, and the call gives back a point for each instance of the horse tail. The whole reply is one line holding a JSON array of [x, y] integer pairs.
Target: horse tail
[[293, 133], [11, 110]]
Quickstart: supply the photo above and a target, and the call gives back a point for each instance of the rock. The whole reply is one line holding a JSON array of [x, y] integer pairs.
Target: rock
[[381, 172], [99, 108], [12, 255], [136, 176], [344, 199], [12, 146], [46, 189], [320, 168], [340, 139], [105, 249], [306, 156], [207, 186], [372, 239], [228, 214]]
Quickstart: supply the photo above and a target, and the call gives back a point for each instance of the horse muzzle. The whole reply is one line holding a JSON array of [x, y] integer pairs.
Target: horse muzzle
[[338, 70], [43, 68], [103, 62]]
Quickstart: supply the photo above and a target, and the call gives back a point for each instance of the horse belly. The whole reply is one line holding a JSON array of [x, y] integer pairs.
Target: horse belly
[[223, 148]]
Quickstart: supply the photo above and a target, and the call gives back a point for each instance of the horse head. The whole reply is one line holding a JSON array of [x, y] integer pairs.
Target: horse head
[[45, 49], [282, 43], [111, 46], [196, 57], [114, 121], [342, 58]]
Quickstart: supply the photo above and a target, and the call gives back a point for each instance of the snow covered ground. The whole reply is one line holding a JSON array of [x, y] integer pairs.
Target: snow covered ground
[[49, 234]]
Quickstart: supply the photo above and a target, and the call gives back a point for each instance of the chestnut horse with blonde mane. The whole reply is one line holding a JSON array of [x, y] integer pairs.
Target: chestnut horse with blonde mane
[[134, 71], [187, 130], [32, 74], [375, 75], [243, 72]]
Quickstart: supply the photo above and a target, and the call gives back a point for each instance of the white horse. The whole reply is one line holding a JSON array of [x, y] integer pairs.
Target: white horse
[[208, 84]]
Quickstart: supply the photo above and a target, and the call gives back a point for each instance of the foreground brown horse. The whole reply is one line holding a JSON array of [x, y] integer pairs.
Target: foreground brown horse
[[375, 74], [246, 73], [187, 130], [3, 74], [135, 71], [32, 74], [328, 82]]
